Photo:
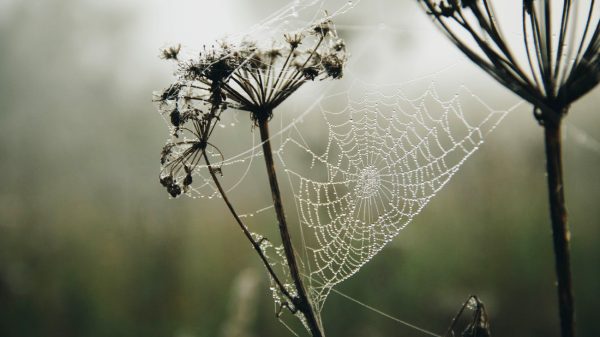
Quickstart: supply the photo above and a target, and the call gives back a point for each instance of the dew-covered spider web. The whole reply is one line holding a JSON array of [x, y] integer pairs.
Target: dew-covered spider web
[[359, 161], [384, 157]]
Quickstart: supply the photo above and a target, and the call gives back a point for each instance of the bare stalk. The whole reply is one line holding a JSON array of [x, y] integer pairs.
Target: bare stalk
[[560, 229], [302, 301]]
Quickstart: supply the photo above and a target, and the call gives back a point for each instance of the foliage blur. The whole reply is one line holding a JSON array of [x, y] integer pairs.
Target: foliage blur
[[90, 244]]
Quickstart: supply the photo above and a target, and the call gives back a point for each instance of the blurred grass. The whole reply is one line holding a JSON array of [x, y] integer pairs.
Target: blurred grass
[[91, 246]]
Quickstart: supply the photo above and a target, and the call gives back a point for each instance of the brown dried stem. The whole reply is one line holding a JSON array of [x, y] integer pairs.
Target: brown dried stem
[[302, 301]]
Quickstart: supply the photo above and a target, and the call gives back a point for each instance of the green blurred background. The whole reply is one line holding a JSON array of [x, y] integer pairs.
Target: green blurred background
[[90, 244]]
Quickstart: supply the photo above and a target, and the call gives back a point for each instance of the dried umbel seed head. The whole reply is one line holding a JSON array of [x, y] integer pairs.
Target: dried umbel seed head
[[175, 117], [310, 72], [166, 151], [171, 92], [170, 53], [333, 65], [250, 78], [241, 76], [214, 65], [323, 28], [562, 45], [174, 190], [171, 185], [293, 39], [166, 180], [187, 181], [273, 54], [192, 124], [257, 61]]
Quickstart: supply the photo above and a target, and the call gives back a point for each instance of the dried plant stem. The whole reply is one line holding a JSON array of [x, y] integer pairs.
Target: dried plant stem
[[255, 245], [560, 228], [302, 301], [554, 81]]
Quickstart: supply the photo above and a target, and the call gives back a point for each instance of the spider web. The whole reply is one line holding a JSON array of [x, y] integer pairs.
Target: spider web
[[386, 156], [361, 163]]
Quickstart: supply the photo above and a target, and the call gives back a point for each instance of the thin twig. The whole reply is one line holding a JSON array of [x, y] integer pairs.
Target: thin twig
[[244, 228]]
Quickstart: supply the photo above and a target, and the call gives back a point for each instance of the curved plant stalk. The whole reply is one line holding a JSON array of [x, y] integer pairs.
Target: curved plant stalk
[[244, 228]]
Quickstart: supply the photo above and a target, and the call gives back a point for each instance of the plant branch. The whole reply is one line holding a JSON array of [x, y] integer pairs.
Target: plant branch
[[302, 301], [255, 245]]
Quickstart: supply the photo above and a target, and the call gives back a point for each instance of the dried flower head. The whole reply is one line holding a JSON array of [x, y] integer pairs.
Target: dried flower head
[[181, 158], [323, 28], [192, 122], [333, 65], [170, 53], [258, 80], [241, 76], [214, 65], [293, 39], [561, 62]]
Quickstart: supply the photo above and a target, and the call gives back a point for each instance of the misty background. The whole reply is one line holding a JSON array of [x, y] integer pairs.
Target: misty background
[[91, 245]]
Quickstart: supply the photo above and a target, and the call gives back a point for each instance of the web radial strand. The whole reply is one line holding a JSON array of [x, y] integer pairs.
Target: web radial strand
[[386, 156]]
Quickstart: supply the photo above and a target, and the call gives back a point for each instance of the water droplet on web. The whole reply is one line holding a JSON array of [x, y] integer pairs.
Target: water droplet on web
[[472, 304]]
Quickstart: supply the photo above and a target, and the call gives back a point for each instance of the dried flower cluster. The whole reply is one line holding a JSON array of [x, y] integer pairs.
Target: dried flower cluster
[[561, 65], [243, 77]]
